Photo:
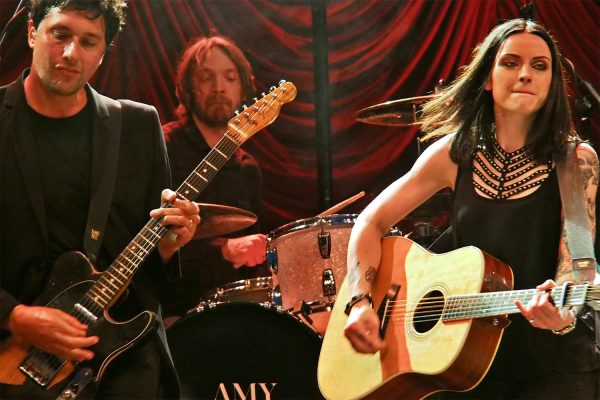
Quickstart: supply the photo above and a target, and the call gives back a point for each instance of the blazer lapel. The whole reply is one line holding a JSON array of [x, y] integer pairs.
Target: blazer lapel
[[100, 135], [16, 123]]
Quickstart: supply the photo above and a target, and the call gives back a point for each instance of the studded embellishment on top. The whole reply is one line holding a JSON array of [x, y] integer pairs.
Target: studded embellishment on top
[[503, 175]]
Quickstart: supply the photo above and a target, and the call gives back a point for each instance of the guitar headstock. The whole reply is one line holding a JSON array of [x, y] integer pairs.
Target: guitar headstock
[[262, 113]]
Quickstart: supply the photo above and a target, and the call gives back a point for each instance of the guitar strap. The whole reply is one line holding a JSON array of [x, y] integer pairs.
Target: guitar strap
[[100, 204], [576, 219], [576, 224]]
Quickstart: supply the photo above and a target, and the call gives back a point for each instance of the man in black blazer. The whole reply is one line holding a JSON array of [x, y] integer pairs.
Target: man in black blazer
[[80, 171]]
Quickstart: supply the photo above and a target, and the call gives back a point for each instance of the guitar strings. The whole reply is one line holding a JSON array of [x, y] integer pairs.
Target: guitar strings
[[230, 142], [90, 300], [470, 304]]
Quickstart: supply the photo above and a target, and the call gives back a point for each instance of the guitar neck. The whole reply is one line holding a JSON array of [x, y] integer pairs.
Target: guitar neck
[[197, 181], [119, 274], [112, 282], [500, 303]]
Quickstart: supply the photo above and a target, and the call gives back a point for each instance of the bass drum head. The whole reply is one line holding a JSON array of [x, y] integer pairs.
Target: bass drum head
[[230, 350]]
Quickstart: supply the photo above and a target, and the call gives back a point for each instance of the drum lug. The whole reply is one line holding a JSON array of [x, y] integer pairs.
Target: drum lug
[[276, 296], [272, 259], [324, 242], [328, 279]]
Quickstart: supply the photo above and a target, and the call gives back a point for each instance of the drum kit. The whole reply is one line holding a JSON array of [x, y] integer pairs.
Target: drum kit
[[261, 337]]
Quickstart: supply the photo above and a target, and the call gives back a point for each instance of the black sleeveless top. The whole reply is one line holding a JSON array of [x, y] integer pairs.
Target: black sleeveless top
[[523, 233]]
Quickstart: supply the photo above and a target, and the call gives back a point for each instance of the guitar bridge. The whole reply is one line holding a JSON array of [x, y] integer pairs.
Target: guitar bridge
[[384, 311], [41, 367]]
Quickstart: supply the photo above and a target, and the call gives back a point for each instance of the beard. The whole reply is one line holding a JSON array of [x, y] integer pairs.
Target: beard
[[215, 112], [60, 86]]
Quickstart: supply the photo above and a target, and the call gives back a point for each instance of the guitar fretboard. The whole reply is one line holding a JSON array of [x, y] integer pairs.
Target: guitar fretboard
[[196, 182], [107, 287], [500, 303], [116, 277]]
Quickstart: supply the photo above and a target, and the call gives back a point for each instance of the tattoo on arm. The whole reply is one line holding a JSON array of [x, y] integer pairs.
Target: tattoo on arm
[[370, 274], [588, 164], [563, 272]]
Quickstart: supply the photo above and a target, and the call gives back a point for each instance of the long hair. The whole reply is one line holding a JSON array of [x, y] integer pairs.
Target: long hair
[[465, 107], [113, 12], [194, 55]]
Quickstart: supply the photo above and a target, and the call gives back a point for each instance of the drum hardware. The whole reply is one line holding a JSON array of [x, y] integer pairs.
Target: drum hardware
[[202, 306], [329, 288], [312, 307], [254, 290], [272, 258], [324, 243], [424, 229], [218, 220]]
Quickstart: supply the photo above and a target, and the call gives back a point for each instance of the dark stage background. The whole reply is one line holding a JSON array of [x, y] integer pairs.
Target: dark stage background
[[378, 50]]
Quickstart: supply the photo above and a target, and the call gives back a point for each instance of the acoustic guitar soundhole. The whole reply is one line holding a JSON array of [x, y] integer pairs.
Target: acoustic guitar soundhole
[[429, 311]]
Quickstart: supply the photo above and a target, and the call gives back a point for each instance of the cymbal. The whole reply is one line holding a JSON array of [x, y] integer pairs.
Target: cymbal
[[403, 112], [218, 220]]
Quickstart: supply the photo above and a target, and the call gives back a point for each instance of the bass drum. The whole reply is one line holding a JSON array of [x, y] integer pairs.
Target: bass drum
[[251, 350]]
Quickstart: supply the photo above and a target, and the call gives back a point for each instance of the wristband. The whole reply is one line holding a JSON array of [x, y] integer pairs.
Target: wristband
[[356, 299], [566, 329]]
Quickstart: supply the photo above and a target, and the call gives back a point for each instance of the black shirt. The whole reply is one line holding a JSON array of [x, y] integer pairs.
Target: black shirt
[[237, 184], [63, 147]]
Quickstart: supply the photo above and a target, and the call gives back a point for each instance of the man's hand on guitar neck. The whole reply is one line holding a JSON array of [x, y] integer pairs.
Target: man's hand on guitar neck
[[52, 330], [182, 218], [362, 328]]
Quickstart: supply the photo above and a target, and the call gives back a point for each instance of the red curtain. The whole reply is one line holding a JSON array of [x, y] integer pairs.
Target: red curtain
[[379, 50]]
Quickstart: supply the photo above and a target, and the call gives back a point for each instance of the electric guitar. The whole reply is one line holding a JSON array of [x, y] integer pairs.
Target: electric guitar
[[442, 318], [77, 288]]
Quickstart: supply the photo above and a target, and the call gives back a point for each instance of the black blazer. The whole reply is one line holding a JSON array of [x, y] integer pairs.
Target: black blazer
[[143, 171]]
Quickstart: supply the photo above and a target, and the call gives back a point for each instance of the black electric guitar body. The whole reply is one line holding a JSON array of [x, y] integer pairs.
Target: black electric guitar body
[[68, 287]]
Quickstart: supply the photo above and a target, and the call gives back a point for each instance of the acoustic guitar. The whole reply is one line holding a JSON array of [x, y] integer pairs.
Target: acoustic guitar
[[77, 288], [442, 318]]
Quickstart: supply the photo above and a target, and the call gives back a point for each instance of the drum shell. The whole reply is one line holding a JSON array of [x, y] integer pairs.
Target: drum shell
[[220, 347], [298, 262]]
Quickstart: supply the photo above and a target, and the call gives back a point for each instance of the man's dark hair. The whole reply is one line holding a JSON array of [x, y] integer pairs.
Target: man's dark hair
[[113, 12], [194, 55]]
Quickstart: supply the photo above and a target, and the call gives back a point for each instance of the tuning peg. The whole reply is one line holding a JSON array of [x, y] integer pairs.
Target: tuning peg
[[281, 82], [236, 112], [255, 99], [272, 88], [244, 107]]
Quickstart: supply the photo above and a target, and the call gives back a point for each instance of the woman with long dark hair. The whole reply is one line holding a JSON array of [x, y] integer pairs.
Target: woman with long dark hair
[[502, 127]]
